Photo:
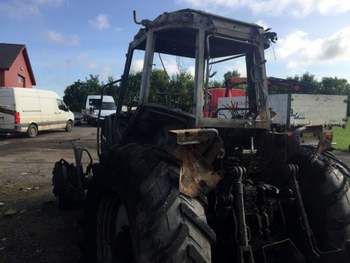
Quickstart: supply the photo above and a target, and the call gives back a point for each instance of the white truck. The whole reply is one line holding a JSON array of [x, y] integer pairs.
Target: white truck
[[92, 106], [24, 110]]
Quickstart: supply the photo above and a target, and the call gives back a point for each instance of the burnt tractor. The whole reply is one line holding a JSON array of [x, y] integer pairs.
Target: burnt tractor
[[174, 185]]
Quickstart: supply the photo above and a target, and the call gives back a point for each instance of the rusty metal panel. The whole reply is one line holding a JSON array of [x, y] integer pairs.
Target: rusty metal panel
[[196, 175], [193, 136]]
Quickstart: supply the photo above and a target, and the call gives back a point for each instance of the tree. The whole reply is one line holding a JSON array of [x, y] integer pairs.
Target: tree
[[231, 74], [132, 92], [182, 91], [308, 82], [159, 90], [215, 84], [330, 85], [111, 89], [175, 92], [178, 90], [75, 94]]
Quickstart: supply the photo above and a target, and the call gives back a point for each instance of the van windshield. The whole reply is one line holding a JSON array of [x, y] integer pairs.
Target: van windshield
[[95, 103]]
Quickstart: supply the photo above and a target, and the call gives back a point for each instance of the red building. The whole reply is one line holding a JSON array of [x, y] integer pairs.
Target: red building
[[15, 68]]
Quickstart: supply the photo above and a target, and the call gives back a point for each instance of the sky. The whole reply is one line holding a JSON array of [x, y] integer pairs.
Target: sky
[[69, 39]]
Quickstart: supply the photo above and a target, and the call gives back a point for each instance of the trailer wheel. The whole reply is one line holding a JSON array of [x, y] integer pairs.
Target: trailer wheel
[[69, 126], [32, 130], [325, 187], [165, 225]]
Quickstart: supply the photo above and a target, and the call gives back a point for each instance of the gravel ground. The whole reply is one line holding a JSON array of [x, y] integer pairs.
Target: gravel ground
[[32, 229]]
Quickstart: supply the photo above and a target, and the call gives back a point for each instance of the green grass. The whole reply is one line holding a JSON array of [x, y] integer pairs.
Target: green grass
[[342, 137]]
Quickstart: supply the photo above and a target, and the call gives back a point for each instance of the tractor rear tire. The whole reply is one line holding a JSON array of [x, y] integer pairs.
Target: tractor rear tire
[[175, 232], [165, 225], [325, 187]]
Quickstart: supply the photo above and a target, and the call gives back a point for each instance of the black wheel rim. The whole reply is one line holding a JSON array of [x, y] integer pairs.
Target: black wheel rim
[[113, 243]]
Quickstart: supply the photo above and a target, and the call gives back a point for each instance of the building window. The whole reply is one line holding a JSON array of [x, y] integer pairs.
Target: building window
[[20, 81]]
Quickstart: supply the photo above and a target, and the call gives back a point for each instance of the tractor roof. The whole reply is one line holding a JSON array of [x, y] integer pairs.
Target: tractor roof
[[176, 33], [214, 16]]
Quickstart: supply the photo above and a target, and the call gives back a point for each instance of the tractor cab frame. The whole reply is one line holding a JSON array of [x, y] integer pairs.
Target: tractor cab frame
[[208, 39]]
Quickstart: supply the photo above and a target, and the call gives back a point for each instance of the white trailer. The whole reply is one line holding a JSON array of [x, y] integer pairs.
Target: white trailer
[[296, 110], [316, 114]]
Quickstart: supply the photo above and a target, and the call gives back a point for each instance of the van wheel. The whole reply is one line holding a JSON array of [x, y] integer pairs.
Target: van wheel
[[32, 131], [69, 126]]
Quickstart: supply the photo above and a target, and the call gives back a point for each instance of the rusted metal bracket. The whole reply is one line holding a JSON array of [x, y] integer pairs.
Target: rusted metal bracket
[[197, 149], [196, 175], [194, 136]]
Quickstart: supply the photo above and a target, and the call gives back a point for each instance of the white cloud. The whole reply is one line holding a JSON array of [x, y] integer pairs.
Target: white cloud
[[136, 66], [171, 67], [299, 50], [262, 23], [61, 39], [50, 2], [191, 70], [297, 8], [118, 29], [106, 72], [25, 8], [174, 65], [101, 22], [338, 6], [85, 60], [82, 56], [239, 66], [91, 65]]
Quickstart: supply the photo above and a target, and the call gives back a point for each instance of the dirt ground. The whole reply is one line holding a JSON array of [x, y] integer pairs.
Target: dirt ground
[[32, 229]]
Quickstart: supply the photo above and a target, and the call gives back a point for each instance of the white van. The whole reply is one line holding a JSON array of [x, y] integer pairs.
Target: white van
[[92, 106], [33, 110]]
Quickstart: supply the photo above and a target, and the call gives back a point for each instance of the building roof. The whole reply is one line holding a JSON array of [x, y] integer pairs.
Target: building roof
[[9, 53]]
